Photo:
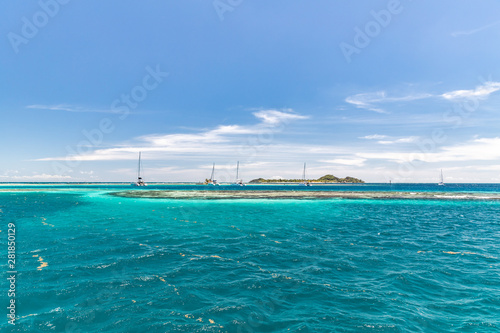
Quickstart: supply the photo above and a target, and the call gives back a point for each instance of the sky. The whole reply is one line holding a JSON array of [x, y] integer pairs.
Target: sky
[[378, 90]]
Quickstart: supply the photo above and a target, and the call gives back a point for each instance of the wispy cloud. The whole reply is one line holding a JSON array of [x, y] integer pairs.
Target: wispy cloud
[[373, 101], [378, 101], [474, 31], [346, 161], [479, 149], [67, 108], [274, 117], [223, 140], [373, 137], [476, 167], [367, 101], [481, 91], [387, 140], [36, 177], [409, 139]]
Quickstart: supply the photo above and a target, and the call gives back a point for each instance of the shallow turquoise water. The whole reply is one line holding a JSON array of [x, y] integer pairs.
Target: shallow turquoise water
[[136, 265]]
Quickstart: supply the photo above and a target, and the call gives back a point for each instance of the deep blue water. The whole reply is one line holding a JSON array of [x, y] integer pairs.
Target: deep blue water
[[406, 187], [91, 262]]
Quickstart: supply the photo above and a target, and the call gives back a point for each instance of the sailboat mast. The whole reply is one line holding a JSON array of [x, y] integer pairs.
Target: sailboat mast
[[139, 167], [304, 173], [213, 170], [237, 169]]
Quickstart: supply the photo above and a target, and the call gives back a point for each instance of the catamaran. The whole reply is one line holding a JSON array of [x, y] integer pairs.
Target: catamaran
[[139, 181], [304, 181], [212, 181], [441, 180], [238, 182]]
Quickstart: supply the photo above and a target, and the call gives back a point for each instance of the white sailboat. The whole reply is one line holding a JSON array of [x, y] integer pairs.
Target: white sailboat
[[304, 181], [441, 179], [238, 182], [139, 181], [212, 181]]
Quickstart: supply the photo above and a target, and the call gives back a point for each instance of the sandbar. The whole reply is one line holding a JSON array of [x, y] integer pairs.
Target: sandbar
[[257, 194]]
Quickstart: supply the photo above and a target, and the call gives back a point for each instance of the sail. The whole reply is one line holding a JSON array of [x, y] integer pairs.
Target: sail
[[238, 181], [304, 181], [139, 167], [139, 181], [441, 179]]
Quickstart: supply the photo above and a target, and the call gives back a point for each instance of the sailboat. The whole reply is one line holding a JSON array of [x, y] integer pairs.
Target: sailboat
[[238, 181], [139, 181], [212, 181], [441, 180], [304, 181]]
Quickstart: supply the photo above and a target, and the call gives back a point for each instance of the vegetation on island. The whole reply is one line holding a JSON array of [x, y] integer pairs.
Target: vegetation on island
[[324, 179]]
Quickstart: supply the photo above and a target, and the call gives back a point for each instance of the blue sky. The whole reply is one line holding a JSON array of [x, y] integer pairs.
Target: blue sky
[[372, 89]]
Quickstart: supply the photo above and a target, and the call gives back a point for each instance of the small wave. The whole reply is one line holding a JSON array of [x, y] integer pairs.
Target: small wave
[[145, 278]]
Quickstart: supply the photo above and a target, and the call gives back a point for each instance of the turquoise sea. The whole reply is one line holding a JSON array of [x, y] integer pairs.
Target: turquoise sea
[[87, 261]]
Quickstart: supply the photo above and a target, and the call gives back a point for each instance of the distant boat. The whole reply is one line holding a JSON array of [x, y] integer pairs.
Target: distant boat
[[139, 181], [212, 181], [441, 179], [304, 181], [238, 181]]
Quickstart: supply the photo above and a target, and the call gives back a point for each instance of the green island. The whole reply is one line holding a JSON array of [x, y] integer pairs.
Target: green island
[[324, 179]]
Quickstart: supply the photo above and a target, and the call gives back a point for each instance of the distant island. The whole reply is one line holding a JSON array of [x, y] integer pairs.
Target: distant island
[[324, 179]]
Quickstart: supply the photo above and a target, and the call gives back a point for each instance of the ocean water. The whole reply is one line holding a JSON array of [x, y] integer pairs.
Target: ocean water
[[87, 261]]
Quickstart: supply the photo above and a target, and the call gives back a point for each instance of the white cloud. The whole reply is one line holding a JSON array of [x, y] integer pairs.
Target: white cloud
[[366, 101], [377, 101], [409, 139], [481, 91], [222, 140], [475, 168], [67, 108], [37, 177], [389, 140], [373, 137], [480, 149], [346, 161], [474, 31], [274, 117], [372, 101]]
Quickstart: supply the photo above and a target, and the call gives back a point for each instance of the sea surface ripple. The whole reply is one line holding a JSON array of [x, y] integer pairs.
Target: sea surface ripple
[[117, 264]]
